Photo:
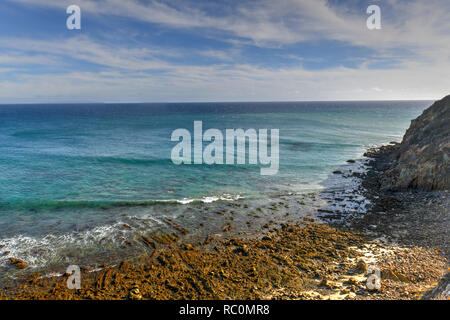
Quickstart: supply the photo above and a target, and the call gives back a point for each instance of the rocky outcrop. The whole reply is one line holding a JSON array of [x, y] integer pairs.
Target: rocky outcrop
[[20, 264], [421, 160]]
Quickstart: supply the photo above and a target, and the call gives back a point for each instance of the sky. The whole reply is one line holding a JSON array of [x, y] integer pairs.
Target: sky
[[234, 50]]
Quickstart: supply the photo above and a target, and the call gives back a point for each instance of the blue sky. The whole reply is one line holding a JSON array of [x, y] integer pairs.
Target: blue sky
[[157, 51]]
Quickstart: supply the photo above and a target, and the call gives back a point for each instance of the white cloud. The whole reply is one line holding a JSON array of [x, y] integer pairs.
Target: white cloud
[[82, 48], [240, 83], [423, 29], [416, 23]]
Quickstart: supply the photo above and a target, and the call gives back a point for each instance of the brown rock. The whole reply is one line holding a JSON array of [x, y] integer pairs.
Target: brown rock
[[325, 283], [361, 267], [20, 264], [227, 227], [124, 266], [135, 293]]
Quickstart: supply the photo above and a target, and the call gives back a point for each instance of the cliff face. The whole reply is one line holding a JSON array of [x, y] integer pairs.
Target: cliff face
[[421, 161]]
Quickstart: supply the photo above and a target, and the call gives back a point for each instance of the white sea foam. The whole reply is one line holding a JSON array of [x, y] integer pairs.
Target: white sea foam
[[39, 251], [224, 197], [344, 193]]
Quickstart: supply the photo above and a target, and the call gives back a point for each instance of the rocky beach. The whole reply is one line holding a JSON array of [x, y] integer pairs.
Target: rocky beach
[[401, 237]]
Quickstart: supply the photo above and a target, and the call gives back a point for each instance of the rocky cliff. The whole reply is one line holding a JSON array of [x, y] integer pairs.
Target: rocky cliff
[[421, 160]]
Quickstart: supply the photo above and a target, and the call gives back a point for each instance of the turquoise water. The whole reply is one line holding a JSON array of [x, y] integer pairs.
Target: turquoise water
[[70, 173]]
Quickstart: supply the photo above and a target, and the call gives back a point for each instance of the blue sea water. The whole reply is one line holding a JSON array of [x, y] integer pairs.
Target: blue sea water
[[70, 173]]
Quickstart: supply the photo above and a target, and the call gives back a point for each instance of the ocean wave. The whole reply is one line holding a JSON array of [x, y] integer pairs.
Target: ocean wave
[[307, 146], [224, 197], [41, 251], [123, 160], [108, 159], [38, 205]]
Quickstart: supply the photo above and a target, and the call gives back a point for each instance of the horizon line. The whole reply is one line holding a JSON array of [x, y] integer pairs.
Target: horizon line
[[237, 101]]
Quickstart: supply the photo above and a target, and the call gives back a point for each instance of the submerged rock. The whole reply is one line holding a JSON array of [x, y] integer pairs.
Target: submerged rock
[[20, 264]]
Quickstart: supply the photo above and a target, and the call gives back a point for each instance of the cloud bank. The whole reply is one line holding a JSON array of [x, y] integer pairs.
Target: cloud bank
[[408, 59]]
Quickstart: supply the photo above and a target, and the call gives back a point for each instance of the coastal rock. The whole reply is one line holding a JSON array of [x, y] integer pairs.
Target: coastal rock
[[135, 293], [124, 266], [361, 267], [421, 161], [20, 264]]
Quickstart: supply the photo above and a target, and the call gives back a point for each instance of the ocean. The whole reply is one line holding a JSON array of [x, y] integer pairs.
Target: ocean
[[79, 183]]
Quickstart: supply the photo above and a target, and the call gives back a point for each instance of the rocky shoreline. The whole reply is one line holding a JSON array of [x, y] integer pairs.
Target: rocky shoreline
[[401, 237], [307, 260], [409, 222]]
